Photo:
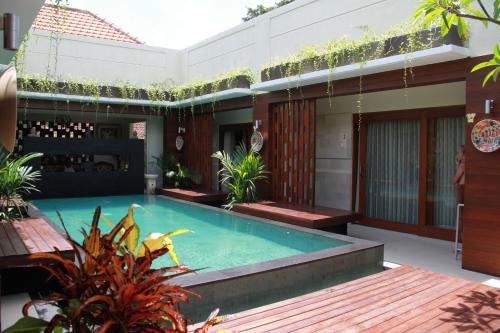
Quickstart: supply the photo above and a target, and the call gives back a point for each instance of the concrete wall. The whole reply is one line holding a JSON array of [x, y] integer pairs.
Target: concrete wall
[[334, 132], [252, 44], [103, 60], [290, 28], [154, 146]]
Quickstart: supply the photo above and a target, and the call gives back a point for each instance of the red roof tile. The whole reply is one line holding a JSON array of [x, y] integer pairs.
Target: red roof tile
[[79, 22]]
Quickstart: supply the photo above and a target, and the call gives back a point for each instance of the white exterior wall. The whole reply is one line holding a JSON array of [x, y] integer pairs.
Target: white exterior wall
[[252, 44], [154, 146], [334, 132], [289, 29], [103, 60]]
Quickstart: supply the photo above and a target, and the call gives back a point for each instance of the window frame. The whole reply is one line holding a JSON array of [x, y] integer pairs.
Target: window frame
[[423, 227]]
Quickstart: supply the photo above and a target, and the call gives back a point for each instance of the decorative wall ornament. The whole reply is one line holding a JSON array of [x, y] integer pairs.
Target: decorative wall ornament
[[486, 135], [179, 142], [257, 140], [471, 117]]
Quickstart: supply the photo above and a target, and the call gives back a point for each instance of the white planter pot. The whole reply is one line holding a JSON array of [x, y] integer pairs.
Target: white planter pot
[[151, 183]]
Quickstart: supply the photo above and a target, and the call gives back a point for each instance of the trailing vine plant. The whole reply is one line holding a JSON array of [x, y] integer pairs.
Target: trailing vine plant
[[408, 37]]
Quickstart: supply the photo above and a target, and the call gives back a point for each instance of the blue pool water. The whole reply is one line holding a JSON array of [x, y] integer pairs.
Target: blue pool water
[[219, 240]]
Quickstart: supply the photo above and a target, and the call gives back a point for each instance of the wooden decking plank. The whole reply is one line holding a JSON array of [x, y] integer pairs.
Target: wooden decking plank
[[27, 231], [474, 310], [415, 301], [360, 313], [402, 322], [7, 247], [326, 296], [435, 319], [15, 240], [51, 236], [310, 319], [322, 294], [366, 319]]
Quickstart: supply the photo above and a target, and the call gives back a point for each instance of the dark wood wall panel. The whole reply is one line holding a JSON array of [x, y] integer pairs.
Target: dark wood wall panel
[[197, 151], [481, 230], [293, 152]]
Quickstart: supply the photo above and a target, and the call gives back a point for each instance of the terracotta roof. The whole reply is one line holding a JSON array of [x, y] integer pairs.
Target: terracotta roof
[[79, 22]]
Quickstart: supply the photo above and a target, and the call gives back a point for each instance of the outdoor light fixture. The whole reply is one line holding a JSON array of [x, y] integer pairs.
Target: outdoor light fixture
[[488, 106], [258, 123], [10, 26]]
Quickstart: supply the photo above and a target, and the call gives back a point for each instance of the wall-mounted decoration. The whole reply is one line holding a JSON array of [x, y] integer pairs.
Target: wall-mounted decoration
[[109, 131], [471, 117], [486, 135], [257, 140], [179, 142]]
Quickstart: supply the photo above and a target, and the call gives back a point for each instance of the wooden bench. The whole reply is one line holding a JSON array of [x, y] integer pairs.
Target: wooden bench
[[19, 240], [404, 299], [198, 196], [304, 216]]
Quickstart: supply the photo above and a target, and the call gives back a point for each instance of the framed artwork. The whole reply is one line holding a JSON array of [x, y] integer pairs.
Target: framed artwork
[[109, 131]]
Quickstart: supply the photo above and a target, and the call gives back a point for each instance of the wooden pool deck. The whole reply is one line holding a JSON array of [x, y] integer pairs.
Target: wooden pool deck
[[194, 195], [19, 240], [304, 216], [404, 299]]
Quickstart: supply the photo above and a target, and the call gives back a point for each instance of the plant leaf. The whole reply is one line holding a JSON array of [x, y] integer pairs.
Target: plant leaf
[[27, 325]]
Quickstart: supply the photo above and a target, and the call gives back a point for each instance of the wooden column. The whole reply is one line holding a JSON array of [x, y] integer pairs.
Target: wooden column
[[481, 222], [196, 153], [293, 151]]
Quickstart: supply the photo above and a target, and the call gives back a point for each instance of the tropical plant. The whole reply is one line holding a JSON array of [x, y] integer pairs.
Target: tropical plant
[[240, 173], [17, 179], [177, 175], [261, 9], [456, 12], [111, 288]]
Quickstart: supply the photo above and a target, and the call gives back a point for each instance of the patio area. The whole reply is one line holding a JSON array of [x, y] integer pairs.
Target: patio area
[[290, 173], [427, 253]]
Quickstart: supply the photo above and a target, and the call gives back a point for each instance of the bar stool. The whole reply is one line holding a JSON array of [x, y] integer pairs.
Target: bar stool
[[458, 249]]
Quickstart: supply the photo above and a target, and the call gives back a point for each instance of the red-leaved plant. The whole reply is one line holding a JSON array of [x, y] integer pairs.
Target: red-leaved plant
[[110, 289]]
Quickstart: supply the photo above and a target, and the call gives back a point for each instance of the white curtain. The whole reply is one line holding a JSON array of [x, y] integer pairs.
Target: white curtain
[[450, 135], [392, 168]]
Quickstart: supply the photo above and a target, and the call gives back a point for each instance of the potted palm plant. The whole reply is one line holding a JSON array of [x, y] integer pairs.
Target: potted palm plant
[[240, 173], [17, 179]]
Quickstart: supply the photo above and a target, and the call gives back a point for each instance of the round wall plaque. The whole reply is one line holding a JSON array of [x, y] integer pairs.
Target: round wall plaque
[[257, 141], [179, 142], [486, 135]]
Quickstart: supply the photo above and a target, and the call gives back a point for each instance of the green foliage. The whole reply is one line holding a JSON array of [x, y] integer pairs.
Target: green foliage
[[17, 179], [225, 80], [157, 92], [27, 325], [240, 173], [494, 62], [456, 12], [176, 175], [111, 289], [344, 51], [261, 9]]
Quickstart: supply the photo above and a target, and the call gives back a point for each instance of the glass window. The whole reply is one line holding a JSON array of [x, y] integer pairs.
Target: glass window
[[392, 171], [446, 136]]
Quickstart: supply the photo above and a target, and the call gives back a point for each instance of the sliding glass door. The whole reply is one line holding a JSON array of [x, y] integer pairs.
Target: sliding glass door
[[407, 163], [446, 136], [392, 164]]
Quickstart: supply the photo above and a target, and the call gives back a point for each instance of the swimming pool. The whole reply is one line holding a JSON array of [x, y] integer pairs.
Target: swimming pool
[[218, 240], [245, 261]]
